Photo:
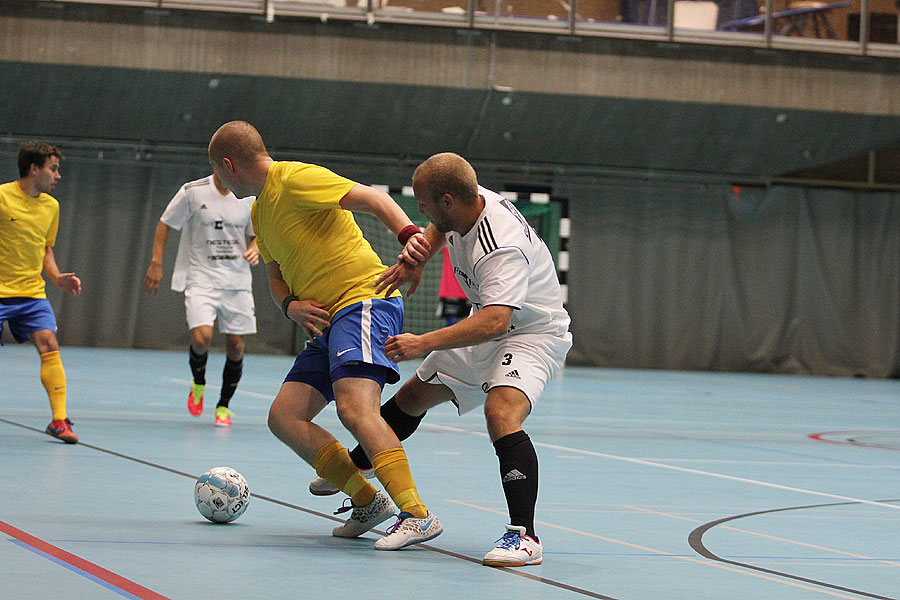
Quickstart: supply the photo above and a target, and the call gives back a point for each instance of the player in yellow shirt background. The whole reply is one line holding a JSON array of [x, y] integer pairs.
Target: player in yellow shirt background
[[322, 272], [29, 218]]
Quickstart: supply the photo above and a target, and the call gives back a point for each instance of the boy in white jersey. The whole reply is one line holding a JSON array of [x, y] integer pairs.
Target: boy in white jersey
[[503, 354], [212, 268]]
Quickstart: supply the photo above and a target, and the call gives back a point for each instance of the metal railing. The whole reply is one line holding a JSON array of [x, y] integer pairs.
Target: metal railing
[[771, 29]]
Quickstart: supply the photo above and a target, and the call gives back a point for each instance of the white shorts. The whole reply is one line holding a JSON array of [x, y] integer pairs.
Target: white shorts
[[526, 362], [235, 310]]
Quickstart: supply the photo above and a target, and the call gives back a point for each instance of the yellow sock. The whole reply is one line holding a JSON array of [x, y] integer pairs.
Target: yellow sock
[[333, 464], [53, 376], [392, 470]]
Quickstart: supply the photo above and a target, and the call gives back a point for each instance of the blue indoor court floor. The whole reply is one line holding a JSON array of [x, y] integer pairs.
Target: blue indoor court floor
[[654, 485]]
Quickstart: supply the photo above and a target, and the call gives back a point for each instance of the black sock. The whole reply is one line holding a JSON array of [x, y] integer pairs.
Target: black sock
[[231, 375], [519, 475], [198, 366], [403, 425]]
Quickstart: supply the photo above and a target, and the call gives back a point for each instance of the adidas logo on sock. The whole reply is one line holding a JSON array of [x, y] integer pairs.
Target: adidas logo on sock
[[513, 475], [514, 374]]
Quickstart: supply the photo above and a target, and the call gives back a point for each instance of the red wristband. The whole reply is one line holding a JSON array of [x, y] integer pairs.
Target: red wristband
[[406, 233]]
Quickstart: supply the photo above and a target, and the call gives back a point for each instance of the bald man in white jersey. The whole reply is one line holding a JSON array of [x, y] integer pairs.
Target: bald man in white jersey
[[503, 354]]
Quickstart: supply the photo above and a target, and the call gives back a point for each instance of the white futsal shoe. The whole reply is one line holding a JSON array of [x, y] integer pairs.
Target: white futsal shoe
[[410, 530], [514, 549], [364, 518], [322, 487]]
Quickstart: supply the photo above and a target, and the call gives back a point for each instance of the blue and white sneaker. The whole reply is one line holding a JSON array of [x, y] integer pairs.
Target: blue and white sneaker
[[514, 549], [410, 530], [364, 518]]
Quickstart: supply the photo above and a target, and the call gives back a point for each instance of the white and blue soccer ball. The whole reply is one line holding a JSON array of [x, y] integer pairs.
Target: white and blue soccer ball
[[221, 494]]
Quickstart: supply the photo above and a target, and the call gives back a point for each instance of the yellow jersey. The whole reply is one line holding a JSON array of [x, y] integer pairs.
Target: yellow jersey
[[299, 223], [27, 227]]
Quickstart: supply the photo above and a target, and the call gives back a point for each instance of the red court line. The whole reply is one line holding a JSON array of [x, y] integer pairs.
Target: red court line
[[825, 437], [88, 567]]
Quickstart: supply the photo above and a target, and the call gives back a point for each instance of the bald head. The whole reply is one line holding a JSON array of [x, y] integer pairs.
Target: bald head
[[239, 158], [446, 173], [237, 141]]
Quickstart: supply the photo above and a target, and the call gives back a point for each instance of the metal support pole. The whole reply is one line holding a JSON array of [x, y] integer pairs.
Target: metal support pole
[[670, 19], [864, 27], [573, 15]]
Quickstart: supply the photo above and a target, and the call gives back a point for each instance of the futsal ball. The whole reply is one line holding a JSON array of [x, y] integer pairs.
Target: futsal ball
[[221, 494]]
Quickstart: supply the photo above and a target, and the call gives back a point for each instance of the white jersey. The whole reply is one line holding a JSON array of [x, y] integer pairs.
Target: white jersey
[[502, 261], [214, 234]]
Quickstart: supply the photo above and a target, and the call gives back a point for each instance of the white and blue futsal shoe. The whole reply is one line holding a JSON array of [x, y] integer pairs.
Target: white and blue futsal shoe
[[410, 530]]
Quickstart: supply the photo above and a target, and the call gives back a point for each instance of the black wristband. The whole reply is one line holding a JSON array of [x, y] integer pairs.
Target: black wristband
[[286, 302]]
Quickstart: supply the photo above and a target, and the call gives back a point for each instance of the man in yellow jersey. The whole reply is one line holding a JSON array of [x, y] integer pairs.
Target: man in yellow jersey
[[322, 272], [29, 217]]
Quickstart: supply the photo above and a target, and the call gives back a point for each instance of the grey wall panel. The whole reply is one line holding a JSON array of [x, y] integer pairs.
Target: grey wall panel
[[787, 280], [393, 122]]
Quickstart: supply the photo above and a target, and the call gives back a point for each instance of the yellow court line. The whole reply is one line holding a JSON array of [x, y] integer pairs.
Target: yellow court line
[[708, 563], [764, 535]]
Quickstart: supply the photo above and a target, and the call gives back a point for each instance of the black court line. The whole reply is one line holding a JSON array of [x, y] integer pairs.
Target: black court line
[[695, 539], [511, 571]]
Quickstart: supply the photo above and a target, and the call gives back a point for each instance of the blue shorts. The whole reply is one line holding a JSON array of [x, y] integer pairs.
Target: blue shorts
[[26, 315], [352, 346]]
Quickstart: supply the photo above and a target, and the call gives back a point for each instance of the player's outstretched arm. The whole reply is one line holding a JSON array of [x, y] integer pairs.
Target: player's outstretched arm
[[64, 281], [155, 271], [487, 324], [407, 269], [362, 198]]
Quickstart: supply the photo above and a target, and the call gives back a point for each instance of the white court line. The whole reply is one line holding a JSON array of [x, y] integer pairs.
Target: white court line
[[647, 463], [699, 561], [810, 465], [799, 563]]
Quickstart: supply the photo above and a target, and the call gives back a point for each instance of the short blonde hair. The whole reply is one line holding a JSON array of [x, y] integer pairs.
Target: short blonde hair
[[238, 141], [447, 173]]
